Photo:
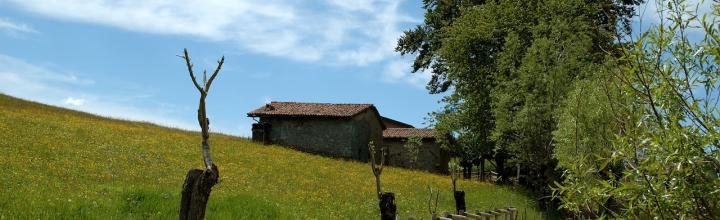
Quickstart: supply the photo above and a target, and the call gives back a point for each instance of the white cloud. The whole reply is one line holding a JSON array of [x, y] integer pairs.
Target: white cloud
[[396, 70], [24, 80], [13, 27], [267, 100], [400, 71], [74, 101], [334, 31], [30, 78]]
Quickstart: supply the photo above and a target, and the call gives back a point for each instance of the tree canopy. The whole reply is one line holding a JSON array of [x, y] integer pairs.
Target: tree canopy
[[506, 67], [612, 125]]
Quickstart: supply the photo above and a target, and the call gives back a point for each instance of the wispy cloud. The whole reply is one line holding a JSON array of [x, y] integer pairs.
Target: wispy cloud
[[400, 71], [346, 32], [13, 27], [332, 32], [74, 101], [39, 83]]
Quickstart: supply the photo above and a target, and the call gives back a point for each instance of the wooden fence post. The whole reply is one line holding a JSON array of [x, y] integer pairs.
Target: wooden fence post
[[460, 201], [445, 216], [388, 210], [484, 215], [495, 214], [505, 213], [513, 213], [458, 217], [473, 216]]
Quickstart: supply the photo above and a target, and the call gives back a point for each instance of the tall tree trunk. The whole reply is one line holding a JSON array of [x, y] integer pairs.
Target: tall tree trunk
[[482, 168], [196, 192], [500, 167]]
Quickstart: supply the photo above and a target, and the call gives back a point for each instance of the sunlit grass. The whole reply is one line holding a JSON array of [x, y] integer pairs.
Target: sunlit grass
[[62, 164]]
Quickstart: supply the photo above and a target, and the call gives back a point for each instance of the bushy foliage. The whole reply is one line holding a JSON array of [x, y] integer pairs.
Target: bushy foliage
[[662, 160], [509, 65]]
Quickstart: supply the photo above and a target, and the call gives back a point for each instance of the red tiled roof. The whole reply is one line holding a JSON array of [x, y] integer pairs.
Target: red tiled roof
[[300, 109], [408, 132], [392, 123]]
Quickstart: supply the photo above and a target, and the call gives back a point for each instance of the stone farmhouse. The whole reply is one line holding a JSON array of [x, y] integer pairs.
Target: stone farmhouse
[[344, 131]]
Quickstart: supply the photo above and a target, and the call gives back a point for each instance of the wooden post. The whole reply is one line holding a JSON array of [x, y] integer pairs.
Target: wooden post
[[474, 216], [460, 201], [196, 192], [496, 214], [504, 212], [445, 216], [388, 210], [485, 215], [513, 213], [458, 217]]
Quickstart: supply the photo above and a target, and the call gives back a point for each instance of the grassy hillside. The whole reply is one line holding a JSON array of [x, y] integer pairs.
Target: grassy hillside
[[62, 164]]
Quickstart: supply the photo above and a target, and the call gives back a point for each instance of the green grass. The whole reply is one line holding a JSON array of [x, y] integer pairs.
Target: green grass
[[62, 164]]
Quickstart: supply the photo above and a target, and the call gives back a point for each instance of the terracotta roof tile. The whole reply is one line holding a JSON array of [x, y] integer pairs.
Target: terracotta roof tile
[[392, 123], [408, 132], [301, 109]]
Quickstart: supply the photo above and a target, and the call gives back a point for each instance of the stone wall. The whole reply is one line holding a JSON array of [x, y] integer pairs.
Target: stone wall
[[336, 137], [430, 156], [369, 129]]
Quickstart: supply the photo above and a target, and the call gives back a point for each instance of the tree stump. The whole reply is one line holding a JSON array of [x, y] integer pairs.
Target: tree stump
[[388, 210], [196, 192], [460, 201]]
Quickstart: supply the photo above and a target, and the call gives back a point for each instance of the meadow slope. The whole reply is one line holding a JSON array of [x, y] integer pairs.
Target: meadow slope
[[62, 164]]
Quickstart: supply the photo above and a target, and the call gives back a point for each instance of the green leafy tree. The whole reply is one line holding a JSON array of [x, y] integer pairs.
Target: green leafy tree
[[587, 127], [507, 66], [455, 170], [663, 159], [412, 148]]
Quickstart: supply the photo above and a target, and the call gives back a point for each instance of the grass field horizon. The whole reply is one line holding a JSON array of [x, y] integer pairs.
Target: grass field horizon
[[65, 164]]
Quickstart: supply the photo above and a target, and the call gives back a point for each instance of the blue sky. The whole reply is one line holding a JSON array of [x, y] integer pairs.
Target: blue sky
[[118, 58]]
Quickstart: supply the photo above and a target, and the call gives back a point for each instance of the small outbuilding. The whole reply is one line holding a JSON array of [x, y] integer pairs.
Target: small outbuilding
[[337, 130], [430, 156], [344, 131]]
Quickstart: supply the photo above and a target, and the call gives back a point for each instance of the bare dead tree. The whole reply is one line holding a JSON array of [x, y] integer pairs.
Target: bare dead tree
[[388, 209], [198, 183], [432, 209], [376, 168], [455, 169]]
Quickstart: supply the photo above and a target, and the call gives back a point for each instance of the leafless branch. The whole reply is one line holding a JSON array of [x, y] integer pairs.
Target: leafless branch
[[203, 121], [186, 57]]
